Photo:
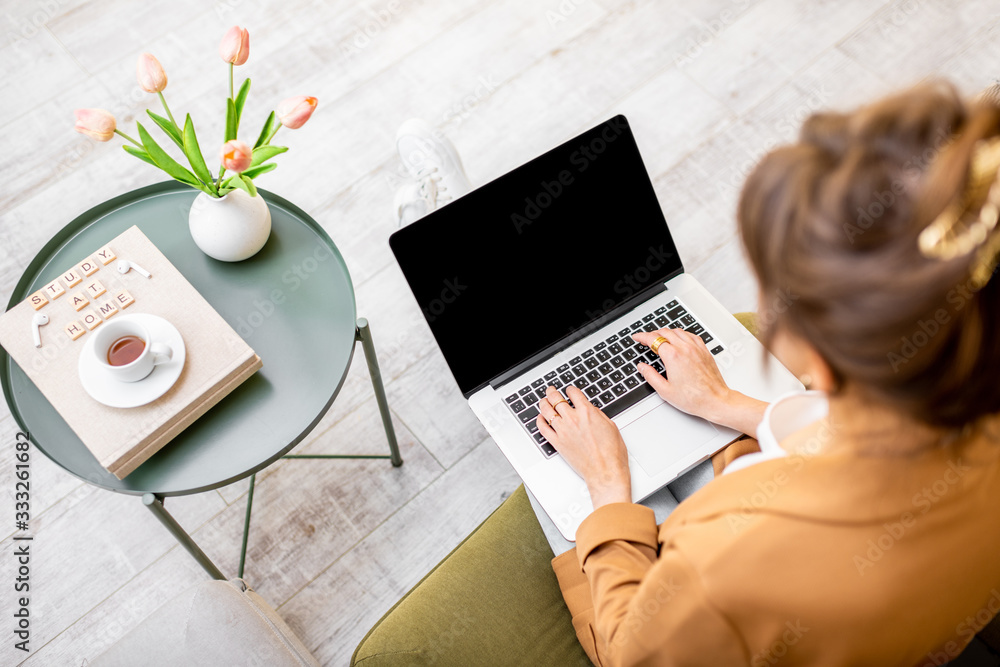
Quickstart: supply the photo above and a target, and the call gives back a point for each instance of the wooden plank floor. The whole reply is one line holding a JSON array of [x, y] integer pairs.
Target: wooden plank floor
[[709, 86]]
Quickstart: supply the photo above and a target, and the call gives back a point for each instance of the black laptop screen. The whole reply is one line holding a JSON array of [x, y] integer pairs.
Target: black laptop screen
[[538, 253]]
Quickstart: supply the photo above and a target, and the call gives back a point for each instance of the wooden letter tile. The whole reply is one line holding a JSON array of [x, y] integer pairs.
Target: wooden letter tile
[[54, 290], [74, 330], [89, 267], [38, 299], [124, 299], [72, 278], [106, 255], [79, 301], [91, 319], [95, 288], [107, 309]]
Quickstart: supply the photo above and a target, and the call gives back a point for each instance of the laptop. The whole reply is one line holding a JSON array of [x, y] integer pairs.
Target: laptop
[[539, 278]]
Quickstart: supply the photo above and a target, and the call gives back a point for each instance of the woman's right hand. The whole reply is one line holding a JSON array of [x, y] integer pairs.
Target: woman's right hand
[[694, 384]]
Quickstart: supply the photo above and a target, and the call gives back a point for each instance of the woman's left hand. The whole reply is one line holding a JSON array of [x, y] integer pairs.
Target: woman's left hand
[[589, 441]]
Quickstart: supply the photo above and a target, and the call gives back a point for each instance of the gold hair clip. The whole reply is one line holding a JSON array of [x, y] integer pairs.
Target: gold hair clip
[[954, 232]]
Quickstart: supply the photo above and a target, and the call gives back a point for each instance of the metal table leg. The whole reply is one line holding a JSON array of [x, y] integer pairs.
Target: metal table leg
[[155, 505], [246, 525], [364, 335]]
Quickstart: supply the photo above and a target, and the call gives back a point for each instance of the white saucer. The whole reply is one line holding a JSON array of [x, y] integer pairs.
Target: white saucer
[[104, 388]]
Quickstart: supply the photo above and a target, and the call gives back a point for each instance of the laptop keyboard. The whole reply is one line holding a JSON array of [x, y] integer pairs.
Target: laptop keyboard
[[607, 372]]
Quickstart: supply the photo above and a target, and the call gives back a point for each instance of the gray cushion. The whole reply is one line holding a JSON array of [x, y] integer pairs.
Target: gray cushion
[[211, 624]]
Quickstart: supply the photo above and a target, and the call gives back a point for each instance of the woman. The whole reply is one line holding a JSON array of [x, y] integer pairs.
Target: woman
[[866, 531]]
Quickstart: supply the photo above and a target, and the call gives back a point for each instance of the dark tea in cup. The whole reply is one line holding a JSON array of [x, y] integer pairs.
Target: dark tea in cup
[[125, 350]]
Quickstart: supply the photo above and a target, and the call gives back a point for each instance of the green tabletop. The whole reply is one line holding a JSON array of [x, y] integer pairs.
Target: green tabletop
[[293, 302]]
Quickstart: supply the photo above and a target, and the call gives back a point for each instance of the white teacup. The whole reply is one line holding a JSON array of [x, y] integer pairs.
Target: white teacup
[[152, 355]]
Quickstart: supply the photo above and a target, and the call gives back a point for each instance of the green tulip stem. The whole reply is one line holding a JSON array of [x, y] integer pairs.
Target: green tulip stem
[[218, 182], [231, 82], [122, 134], [163, 101]]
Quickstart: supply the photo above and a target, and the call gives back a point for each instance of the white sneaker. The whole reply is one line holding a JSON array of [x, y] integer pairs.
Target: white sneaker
[[414, 200], [429, 156]]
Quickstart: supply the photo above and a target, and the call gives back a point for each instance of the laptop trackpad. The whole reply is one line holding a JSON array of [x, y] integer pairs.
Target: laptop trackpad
[[664, 435]]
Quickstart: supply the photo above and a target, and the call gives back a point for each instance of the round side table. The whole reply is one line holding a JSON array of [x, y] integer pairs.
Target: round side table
[[293, 302]]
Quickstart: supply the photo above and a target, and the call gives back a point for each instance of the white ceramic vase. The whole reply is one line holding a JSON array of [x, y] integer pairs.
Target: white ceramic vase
[[230, 228]]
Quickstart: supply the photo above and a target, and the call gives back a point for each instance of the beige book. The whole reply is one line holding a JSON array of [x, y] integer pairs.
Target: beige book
[[121, 439]]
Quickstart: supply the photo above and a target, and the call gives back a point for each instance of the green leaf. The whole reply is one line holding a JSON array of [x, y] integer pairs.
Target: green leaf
[[271, 126], [274, 131], [141, 154], [264, 153], [165, 162], [193, 152], [235, 181], [225, 191], [231, 120], [228, 182], [168, 127], [251, 188], [241, 98], [254, 172]]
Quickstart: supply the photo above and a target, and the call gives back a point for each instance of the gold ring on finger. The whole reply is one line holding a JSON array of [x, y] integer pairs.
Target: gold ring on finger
[[655, 346], [561, 400]]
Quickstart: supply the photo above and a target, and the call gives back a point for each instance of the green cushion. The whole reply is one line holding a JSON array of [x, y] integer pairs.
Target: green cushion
[[494, 600], [749, 320]]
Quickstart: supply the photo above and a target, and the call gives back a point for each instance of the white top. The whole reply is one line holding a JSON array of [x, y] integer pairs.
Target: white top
[[786, 415]]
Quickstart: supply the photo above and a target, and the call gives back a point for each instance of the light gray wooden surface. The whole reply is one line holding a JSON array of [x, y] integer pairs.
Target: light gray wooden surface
[[709, 86]]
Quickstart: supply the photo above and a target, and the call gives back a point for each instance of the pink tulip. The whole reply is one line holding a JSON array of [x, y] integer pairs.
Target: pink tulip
[[295, 111], [95, 123], [235, 46], [150, 74], [235, 155]]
